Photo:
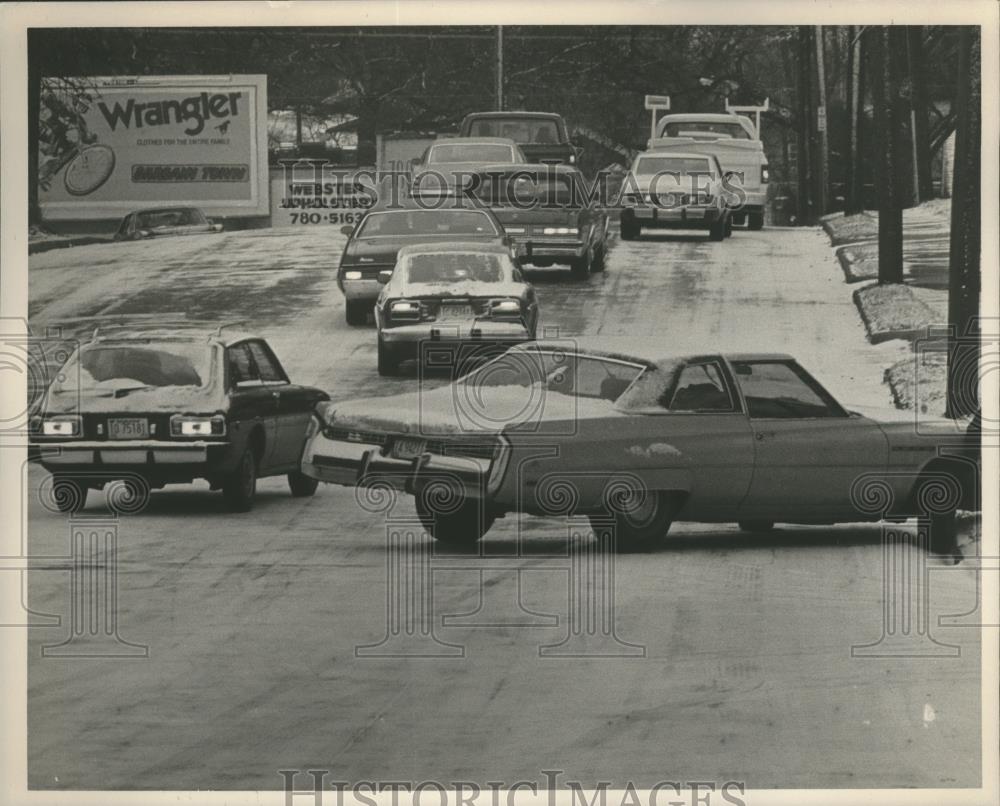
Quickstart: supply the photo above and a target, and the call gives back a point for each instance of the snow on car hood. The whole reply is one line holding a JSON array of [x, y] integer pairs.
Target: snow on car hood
[[459, 409]]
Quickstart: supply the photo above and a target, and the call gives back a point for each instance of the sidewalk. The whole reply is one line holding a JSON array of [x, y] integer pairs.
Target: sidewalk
[[904, 311]]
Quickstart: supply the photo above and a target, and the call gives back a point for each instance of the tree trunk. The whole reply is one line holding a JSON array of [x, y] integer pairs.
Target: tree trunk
[[963, 264], [803, 94], [854, 174], [34, 108], [885, 99], [367, 129], [919, 124]]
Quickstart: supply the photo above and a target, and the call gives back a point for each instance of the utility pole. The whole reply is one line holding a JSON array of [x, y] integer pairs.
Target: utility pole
[[888, 152], [499, 68], [803, 95], [854, 174], [923, 187], [822, 167]]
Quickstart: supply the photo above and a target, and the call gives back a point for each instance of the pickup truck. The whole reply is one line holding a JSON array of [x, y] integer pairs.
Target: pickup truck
[[734, 141], [542, 136]]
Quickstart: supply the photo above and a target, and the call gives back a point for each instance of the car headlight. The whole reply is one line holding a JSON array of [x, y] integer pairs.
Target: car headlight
[[560, 231], [404, 309], [183, 425], [572, 158], [68, 426], [515, 230], [352, 275]]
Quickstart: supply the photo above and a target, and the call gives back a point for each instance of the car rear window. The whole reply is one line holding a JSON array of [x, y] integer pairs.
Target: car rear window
[[524, 187], [471, 152], [169, 218], [723, 129], [524, 131], [394, 223], [676, 165], [454, 267], [118, 367]]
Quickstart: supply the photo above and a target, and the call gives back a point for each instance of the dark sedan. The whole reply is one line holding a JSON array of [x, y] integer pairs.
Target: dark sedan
[[378, 237], [162, 222], [547, 212], [165, 407]]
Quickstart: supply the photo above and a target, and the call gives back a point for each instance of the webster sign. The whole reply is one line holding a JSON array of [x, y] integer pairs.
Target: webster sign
[[112, 145]]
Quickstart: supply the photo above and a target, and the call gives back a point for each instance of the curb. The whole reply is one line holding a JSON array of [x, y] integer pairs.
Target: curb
[[878, 336], [847, 266]]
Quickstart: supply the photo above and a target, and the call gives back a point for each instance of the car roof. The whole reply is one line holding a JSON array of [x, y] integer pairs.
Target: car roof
[[639, 352], [669, 152], [193, 335], [530, 167], [514, 113], [499, 141], [452, 246]]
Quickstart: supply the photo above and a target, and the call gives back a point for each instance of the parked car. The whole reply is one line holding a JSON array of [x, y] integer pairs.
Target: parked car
[[734, 141], [551, 428], [461, 153], [449, 294], [172, 406], [160, 222], [547, 211], [542, 136], [676, 190], [373, 243]]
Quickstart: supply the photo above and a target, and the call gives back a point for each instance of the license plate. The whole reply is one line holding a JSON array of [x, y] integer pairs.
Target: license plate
[[455, 312], [407, 447], [128, 428]]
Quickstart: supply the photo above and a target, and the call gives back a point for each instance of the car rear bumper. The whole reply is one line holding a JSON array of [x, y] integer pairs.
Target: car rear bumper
[[152, 458], [541, 248], [361, 289], [408, 338], [680, 217], [358, 464]]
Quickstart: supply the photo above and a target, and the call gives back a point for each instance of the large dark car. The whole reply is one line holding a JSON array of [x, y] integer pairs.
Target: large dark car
[[548, 213], [379, 235], [162, 407], [164, 221], [542, 136]]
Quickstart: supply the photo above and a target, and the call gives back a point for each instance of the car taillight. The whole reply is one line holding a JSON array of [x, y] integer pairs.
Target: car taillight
[[405, 310], [502, 308], [352, 275], [560, 231], [185, 425], [67, 426], [765, 175]]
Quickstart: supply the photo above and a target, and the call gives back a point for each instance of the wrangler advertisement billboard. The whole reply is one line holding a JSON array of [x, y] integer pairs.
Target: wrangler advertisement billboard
[[108, 146]]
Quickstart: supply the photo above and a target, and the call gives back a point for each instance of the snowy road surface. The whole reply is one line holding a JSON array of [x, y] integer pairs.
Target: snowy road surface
[[729, 656]]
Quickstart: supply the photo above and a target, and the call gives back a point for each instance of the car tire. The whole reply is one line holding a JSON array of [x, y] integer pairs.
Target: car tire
[[942, 533], [356, 313], [581, 267], [600, 259], [639, 530], [629, 231], [729, 226], [739, 219], [239, 488], [717, 231], [301, 485], [463, 526], [755, 221], [756, 526], [69, 495], [388, 363]]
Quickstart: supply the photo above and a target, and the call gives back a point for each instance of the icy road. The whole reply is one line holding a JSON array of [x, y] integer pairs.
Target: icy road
[[275, 642]]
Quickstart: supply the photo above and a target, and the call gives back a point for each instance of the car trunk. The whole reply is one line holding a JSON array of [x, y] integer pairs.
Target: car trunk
[[742, 156]]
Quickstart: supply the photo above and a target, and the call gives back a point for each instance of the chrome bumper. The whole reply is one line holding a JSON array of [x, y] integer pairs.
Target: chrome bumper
[[361, 289], [455, 332], [124, 452], [696, 216], [543, 247]]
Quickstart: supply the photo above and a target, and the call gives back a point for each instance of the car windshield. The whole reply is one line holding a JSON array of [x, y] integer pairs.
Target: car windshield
[[722, 128], [181, 217], [524, 187], [470, 152], [557, 372], [524, 131], [394, 223], [650, 166], [123, 367], [445, 268]]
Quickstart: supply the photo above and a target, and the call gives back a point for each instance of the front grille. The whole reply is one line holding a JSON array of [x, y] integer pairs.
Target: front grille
[[355, 435]]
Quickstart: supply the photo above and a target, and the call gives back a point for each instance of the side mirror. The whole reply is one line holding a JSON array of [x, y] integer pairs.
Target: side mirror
[[347, 229], [384, 276]]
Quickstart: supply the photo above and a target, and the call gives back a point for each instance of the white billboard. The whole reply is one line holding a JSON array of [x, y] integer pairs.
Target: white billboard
[[108, 146]]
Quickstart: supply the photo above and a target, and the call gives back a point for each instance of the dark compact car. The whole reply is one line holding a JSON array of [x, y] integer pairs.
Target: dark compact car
[[379, 235], [164, 221], [542, 136], [449, 294], [163, 407], [547, 212]]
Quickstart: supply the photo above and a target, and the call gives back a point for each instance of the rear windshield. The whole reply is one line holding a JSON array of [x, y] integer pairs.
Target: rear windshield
[[524, 187], [394, 223], [723, 129], [121, 367], [474, 152], [454, 267], [528, 131], [676, 165], [183, 217]]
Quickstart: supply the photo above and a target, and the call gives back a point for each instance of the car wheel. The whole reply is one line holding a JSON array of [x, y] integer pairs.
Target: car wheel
[[301, 485], [756, 526], [388, 363], [755, 221], [462, 526], [581, 266], [629, 231], [942, 533], [739, 219], [729, 226], [69, 495], [717, 231], [355, 312], [600, 259], [240, 486], [640, 525]]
